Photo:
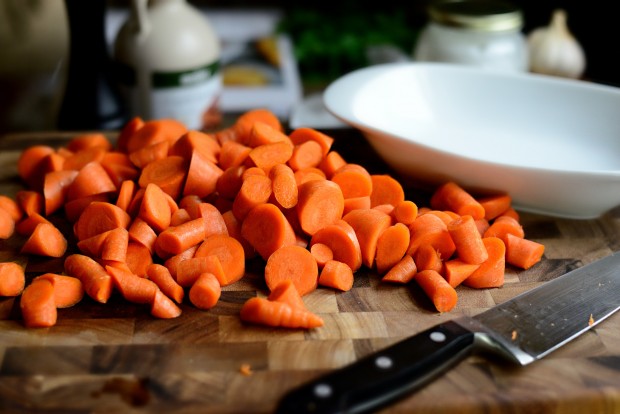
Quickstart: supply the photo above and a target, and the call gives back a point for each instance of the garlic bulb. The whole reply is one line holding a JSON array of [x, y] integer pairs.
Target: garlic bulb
[[553, 50]]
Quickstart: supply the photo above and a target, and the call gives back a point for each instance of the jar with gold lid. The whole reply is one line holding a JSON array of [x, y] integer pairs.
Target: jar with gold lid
[[484, 33]]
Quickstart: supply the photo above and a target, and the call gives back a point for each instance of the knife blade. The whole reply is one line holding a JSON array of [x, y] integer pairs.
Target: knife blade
[[521, 330]]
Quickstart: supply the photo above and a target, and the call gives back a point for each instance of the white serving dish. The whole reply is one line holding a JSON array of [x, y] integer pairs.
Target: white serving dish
[[553, 144]]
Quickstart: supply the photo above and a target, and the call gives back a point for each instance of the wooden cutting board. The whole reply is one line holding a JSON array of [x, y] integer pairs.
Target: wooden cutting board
[[117, 358]]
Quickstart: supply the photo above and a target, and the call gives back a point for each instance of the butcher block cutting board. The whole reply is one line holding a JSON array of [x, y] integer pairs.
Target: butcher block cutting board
[[117, 358]]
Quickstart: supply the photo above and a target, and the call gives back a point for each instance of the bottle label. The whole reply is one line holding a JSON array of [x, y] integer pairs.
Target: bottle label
[[189, 96]]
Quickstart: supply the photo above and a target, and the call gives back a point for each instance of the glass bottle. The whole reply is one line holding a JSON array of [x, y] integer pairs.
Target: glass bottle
[[484, 33]]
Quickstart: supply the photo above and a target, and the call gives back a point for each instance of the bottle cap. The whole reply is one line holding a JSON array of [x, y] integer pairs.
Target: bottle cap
[[480, 15]]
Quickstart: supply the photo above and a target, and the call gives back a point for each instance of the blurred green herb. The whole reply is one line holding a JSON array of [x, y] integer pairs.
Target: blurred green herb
[[330, 43]]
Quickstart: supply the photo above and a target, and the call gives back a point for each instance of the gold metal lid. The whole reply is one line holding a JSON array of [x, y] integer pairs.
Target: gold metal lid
[[481, 15]]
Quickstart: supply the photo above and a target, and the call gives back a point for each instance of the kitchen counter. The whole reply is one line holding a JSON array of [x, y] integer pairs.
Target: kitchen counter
[[117, 358]]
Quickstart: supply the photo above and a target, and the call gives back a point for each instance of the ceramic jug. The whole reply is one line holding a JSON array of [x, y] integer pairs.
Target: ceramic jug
[[167, 56]]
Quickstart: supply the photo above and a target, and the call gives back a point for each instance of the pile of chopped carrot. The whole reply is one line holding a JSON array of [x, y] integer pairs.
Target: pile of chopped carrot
[[169, 214]]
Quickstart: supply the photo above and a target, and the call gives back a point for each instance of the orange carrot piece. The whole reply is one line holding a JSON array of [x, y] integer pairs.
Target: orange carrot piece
[[117, 158], [277, 314], [402, 272], [386, 190], [91, 179], [341, 239], [446, 216], [322, 253], [284, 185], [169, 175], [12, 279], [145, 155], [99, 217], [331, 163], [172, 262], [155, 131], [154, 208], [426, 257], [308, 154], [213, 222], [45, 240], [55, 186], [430, 229], [405, 212], [304, 134], [133, 288], [75, 208], [109, 245], [9, 205], [96, 281], [356, 203], [78, 160], [267, 155], [89, 140], [127, 131], [68, 290], [233, 154], [162, 277], [286, 292], [491, 272], [523, 253], [451, 196], [264, 134], [30, 202], [37, 305], [229, 183], [26, 226], [189, 270], [267, 229], [503, 225], [164, 308], [392, 245], [443, 296], [319, 203], [244, 124], [467, 239], [336, 275], [202, 176], [255, 190], [482, 225], [196, 142], [126, 192], [308, 174], [7, 225], [456, 271], [230, 254], [30, 165], [294, 263], [368, 225], [253, 170], [233, 227], [495, 205], [138, 258], [354, 180], [175, 240], [120, 172], [511, 212], [205, 292]]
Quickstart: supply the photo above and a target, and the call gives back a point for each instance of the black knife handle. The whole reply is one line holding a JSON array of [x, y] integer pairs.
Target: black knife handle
[[381, 378]]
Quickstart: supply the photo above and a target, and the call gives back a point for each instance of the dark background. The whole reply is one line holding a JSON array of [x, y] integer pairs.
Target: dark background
[[330, 39]]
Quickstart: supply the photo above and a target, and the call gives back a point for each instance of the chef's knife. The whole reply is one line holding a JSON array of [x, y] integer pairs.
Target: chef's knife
[[523, 330]]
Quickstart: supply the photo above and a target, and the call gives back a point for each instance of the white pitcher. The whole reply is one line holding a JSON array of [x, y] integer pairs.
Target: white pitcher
[[168, 59]]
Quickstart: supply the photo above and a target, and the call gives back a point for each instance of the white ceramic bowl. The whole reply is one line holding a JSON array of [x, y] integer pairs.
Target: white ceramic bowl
[[553, 144]]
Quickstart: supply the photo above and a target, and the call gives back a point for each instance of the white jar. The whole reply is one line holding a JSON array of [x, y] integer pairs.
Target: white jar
[[168, 57], [484, 33]]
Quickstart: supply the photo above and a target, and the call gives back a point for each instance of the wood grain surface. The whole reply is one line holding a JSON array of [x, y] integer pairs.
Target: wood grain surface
[[116, 358]]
